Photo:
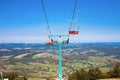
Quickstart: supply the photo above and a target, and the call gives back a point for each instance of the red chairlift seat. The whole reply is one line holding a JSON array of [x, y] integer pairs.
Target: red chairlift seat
[[70, 32], [76, 32], [65, 58], [55, 63], [49, 43], [73, 32]]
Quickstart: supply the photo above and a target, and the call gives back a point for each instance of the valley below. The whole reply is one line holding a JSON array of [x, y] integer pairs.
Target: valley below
[[41, 61]]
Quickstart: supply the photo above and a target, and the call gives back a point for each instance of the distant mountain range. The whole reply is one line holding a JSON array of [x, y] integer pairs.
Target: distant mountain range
[[75, 56]]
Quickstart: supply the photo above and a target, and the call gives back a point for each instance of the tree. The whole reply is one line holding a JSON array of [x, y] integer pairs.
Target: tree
[[98, 73], [91, 74], [11, 75], [79, 75], [94, 74], [115, 72]]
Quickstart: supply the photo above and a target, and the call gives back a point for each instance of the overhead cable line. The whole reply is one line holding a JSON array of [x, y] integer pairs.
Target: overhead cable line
[[48, 27], [73, 29], [73, 12]]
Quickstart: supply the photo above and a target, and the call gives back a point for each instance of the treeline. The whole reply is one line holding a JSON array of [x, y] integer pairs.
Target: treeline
[[12, 76], [95, 73]]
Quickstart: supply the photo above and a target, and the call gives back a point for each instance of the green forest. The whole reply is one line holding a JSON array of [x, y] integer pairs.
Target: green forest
[[95, 73]]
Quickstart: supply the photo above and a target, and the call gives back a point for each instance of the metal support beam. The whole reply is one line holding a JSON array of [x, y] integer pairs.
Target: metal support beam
[[60, 62]]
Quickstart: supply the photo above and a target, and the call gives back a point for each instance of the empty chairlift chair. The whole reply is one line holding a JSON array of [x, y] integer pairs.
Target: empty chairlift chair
[[73, 32], [49, 43]]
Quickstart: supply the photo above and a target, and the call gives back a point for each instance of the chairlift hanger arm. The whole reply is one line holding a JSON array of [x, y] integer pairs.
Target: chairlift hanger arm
[[73, 26], [48, 27], [75, 5]]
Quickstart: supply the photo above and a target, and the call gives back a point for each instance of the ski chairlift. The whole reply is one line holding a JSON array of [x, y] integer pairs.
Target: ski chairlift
[[55, 63], [64, 39], [49, 43], [65, 58], [73, 32]]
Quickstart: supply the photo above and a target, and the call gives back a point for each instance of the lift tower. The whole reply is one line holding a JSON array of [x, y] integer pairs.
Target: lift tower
[[60, 39]]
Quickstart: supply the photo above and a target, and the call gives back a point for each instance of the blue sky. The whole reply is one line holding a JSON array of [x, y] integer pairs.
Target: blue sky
[[24, 21]]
